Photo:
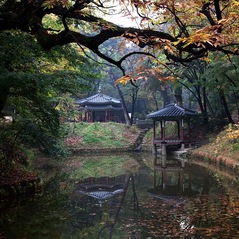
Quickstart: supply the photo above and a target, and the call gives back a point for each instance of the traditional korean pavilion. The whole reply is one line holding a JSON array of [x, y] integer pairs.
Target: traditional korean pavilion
[[175, 113], [101, 108]]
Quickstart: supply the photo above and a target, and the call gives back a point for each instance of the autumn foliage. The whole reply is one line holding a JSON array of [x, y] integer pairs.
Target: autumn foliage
[[180, 30], [232, 131]]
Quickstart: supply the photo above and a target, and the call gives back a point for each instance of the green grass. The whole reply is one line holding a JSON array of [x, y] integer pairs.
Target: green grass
[[99, 134], [99, 166]]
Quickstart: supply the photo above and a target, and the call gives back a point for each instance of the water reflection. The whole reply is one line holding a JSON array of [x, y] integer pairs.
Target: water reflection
[[102, 189], [171, 177], [174, 198]]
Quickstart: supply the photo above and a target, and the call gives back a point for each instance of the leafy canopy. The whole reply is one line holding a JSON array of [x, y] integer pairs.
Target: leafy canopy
[[31, 82], [182, 30]]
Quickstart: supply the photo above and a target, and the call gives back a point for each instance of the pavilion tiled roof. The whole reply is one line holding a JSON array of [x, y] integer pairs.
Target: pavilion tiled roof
[[172, 111], [103, 107], [99, 98]]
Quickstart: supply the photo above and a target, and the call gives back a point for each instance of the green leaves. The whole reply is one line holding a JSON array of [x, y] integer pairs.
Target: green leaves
[[32, 82]]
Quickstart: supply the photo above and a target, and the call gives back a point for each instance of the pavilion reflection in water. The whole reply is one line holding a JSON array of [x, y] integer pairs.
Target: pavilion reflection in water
[[172, 181], [94, 196], [101, 190]]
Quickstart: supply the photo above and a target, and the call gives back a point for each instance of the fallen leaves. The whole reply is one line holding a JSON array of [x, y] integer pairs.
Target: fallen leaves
[[15, 176]]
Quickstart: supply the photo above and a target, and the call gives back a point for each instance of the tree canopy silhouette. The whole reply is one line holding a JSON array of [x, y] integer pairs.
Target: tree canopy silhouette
[[182, 30]]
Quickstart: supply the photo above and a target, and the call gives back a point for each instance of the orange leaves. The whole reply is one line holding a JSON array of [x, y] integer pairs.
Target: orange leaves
[[145, 74], [223, 32], [167, 46], [123, 80], [232, 131], [135, 38], [208, 35]]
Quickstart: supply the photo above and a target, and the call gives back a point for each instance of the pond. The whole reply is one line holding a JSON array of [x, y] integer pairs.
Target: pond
[[126, 196]]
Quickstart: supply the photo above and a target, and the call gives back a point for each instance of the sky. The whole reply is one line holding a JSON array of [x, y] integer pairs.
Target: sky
[[120, 19]]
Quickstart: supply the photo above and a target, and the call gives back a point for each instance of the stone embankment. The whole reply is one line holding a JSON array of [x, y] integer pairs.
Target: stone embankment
[[219, 160]]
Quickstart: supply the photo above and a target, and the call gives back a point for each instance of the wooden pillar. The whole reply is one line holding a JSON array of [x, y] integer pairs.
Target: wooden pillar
[[90, 116], [86, 116], [163, 144], [164, 173], [164, 164], [155, 178], [154, 129], [189, 134], [182, 177], [106, 115], [111, 115], [155, 158], [164, 178], [178, 128], [182, 135], [163, 129], [154, 136], [163, 148]]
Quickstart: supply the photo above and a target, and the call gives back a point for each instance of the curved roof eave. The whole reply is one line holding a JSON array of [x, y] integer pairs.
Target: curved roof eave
[[172, 112], [98, 98], [100, 108]]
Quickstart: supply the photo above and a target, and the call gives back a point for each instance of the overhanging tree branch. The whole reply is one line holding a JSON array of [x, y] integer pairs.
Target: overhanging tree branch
[[28, 17]]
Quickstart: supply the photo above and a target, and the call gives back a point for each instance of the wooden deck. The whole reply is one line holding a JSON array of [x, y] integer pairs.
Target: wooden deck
[[169, 141]]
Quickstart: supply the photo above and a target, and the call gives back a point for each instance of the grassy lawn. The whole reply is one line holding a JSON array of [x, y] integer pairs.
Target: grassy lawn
[[99, 135], [223, 147]]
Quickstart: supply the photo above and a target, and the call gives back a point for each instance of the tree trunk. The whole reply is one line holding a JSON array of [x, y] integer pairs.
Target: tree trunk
[[201, 105], [3, 98], [178, 96], [134, 98], [165, 95], [236, 101], [156, 102], [125, 110], [224, 102], [209, 106]]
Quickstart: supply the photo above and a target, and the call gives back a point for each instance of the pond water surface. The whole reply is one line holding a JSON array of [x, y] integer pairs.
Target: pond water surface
[[126, 196]]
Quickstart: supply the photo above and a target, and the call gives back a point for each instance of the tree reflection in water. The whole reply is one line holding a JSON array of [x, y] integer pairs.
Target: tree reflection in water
[[185, 202], [173, 199], [98, 193], [180, 204]]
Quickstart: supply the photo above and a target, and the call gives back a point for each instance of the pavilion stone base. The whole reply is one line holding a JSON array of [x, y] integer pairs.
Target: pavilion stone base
[[165, 149], [182, 153], [162, 150]]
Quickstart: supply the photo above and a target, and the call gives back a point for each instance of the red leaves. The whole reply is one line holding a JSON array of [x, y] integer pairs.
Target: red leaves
[[15, 176], [73, 141]]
